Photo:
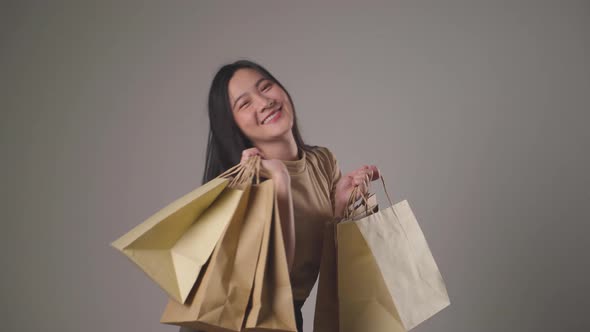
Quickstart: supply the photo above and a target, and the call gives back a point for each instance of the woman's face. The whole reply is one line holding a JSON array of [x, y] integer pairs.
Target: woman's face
[[260, 107]]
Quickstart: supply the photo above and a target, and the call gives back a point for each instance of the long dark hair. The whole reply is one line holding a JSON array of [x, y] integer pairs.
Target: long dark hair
[[226, 141]]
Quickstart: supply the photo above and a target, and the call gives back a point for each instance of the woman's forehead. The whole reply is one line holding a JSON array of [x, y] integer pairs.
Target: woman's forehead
[[245, 77]]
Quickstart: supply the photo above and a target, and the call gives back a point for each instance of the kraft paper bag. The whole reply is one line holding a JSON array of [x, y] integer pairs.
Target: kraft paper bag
[[220, 299], [406, 263], [390, 244], [364, 300], [172, 246], [326, 307], [326, 318], [272, 297]]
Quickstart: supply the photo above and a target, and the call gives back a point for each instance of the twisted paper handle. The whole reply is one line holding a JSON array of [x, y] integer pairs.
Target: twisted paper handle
[[243, 173], [364, 196]]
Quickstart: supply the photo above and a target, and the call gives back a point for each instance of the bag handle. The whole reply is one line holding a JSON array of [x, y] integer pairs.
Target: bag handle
[[385, 190], [351, 199], [356, 191], [243, 173], [247, 173]]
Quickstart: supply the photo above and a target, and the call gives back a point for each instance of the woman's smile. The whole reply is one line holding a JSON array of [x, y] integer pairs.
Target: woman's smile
[[273, 117]]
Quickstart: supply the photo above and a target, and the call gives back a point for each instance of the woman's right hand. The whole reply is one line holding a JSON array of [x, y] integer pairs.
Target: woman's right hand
[[275, 167]]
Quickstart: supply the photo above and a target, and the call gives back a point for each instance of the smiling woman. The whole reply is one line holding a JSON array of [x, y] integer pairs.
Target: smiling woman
[[251, 91], [238, 90], [251, 113]]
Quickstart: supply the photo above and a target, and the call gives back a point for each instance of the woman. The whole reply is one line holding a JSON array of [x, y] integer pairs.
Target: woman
[[251, 113]]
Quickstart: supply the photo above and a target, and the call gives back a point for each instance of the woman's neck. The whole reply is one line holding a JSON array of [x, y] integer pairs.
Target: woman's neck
[[285, 149]]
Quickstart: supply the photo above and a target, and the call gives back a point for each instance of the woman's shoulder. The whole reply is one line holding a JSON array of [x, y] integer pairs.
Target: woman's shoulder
[[321, 158], [321, 155]]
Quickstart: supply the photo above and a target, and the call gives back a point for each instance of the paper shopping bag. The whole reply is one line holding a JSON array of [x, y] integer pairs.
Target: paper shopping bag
[[219, 301], [171, 247], [326, 307], [406, 263], [404, 266], [272, 297], [326, 317], [364, 300]]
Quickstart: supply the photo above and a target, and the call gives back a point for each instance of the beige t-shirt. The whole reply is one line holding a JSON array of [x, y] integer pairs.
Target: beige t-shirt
[[313, 179]]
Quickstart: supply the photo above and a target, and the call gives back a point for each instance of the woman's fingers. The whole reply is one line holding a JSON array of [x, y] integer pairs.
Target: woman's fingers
[[375, 174], [359, 179], [246, 154], [369, 170], [362, 181], [362, 177]]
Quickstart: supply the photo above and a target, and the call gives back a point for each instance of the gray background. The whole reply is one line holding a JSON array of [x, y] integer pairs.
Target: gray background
[[476, 112]]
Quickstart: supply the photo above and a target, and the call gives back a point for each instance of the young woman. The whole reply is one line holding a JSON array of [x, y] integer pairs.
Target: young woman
[[251, 113]]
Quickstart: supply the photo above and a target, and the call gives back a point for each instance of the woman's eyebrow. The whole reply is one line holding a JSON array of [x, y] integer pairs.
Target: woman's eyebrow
[[243, 94]]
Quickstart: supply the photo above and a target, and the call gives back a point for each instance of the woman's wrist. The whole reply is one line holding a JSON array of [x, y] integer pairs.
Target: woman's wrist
[[281, 178]]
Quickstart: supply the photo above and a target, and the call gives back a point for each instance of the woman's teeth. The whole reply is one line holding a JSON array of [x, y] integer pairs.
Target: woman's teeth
[[270, 117]]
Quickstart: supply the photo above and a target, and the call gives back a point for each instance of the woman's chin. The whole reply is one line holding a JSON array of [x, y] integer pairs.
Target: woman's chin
[[275, 133]]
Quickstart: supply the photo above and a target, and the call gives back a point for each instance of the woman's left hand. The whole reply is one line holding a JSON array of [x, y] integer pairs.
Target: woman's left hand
[[359, 177]]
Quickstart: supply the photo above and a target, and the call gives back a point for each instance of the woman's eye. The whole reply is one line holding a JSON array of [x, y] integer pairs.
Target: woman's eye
[[245, 104], [266, 87]]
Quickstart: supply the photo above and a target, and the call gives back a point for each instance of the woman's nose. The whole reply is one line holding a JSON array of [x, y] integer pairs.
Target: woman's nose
[[265, 103]]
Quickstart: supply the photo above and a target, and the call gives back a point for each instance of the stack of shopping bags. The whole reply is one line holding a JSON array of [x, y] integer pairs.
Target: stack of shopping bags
[[377, 272], [218, 253]]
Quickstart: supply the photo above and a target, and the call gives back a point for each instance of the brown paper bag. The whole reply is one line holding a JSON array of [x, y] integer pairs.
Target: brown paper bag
[[221, 298], [326, 305], [397, 262], [172, 245], [326, 318], [364, 300], [406, 263], [272, 297]]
